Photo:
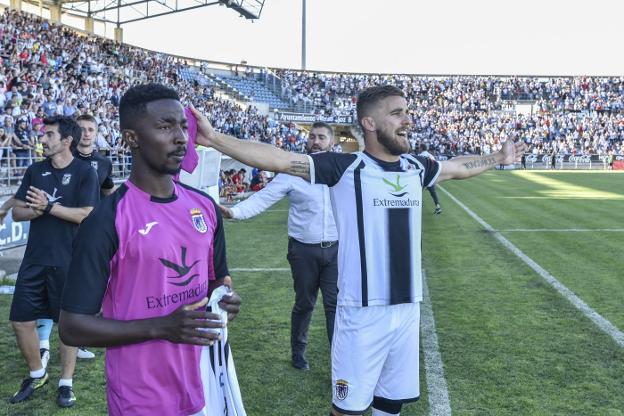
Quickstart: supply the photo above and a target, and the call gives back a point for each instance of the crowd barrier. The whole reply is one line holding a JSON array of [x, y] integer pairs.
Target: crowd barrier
[[569, 161], [13, 165]]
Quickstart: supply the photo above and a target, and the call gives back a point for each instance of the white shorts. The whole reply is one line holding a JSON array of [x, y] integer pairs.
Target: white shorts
[[375, 354]]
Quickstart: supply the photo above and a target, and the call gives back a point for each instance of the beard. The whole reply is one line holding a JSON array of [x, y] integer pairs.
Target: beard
[[314, 149], [163, 168], [170, 171], [396, 147]]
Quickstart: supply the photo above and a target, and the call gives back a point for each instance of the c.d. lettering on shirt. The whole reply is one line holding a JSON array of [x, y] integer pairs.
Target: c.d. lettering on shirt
[[166, 299]]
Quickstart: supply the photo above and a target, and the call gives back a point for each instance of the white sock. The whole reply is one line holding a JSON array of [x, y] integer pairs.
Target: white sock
[[380, 413], [44, 344], [37, 373], [65, 382]]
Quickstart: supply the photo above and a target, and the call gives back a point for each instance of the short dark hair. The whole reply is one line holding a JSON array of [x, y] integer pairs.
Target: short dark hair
[[133, 102], [87, 117], [371, 96], [423, 147], [67, 127], [322, 124]]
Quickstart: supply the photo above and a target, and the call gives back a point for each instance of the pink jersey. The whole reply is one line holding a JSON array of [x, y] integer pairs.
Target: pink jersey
[[144, 257]]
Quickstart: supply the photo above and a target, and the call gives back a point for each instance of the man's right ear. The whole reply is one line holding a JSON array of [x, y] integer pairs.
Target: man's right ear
[[130, 138], [368, 124]]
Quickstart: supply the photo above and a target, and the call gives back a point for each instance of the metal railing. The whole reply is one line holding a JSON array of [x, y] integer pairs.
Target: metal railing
[[14, 162], [122, 162]]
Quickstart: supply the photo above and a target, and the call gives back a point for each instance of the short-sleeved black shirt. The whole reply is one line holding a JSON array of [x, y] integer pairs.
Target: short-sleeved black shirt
[[103, 166], [50, 239]]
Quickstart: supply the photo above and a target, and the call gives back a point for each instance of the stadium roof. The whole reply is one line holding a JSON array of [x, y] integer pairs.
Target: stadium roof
[[120, 12]]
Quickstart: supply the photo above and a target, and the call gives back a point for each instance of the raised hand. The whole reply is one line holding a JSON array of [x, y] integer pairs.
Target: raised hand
[[512, 151], [205, 131]]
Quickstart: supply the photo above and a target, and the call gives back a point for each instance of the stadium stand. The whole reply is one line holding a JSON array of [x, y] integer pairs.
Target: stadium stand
[[48, 69], [254, 90], [472, 114]]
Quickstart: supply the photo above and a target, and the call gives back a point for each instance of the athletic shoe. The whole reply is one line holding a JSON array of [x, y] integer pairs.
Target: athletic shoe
[[45, 357], [65, 397], [438, 211], [300, 363], [28, 387], [85, 353]]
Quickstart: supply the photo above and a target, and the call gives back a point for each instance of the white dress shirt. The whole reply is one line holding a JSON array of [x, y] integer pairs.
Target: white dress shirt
[[310, 217]]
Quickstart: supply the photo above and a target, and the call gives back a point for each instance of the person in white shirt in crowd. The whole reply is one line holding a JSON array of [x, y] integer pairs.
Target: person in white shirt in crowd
[[312, 242]]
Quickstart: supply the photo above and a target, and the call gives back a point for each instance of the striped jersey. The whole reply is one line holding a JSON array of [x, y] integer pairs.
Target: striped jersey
[[377, 207]]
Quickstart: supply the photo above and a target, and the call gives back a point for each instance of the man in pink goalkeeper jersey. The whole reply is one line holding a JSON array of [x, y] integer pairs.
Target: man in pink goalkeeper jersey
[[149, 256]]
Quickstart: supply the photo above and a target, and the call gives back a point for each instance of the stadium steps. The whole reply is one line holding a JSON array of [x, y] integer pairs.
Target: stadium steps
[[249, 89]]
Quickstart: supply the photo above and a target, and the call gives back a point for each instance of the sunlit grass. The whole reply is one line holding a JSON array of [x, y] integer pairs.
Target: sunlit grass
[[558, 189]]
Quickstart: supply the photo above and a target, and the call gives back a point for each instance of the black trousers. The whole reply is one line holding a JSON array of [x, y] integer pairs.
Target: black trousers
[[434, 194], [313, 268]]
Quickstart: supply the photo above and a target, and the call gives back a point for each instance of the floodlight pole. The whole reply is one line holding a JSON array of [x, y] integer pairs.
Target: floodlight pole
[[303, 34]]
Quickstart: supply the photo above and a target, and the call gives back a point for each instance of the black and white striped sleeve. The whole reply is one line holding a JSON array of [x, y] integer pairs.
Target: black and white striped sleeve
[[432, 170], [327, 168]]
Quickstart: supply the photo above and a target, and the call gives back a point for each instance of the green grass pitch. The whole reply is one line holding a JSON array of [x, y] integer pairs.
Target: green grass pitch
[[510, 344]]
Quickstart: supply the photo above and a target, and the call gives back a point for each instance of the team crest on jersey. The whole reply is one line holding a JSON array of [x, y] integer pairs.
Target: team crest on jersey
[[198, 220], [66, 179], [341, 389], [94, 163]]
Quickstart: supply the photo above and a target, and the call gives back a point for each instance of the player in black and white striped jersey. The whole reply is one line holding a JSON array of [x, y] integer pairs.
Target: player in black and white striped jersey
[[377, 200]]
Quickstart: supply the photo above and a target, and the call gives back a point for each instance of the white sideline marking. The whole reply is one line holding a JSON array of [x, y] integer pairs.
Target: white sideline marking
[[562, 230], [595, 317], [276, 210], [439, 404], [275, 269]]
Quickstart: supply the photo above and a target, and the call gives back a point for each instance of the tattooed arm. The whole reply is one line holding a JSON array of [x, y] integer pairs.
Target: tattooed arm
[[259, 155], [467, 166]]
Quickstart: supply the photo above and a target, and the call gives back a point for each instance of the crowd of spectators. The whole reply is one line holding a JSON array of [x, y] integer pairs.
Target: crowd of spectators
[[233, 183], [474, 114], [48, 69]]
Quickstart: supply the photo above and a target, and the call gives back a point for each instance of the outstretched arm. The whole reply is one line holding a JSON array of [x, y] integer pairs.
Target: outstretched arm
[[259, 155], [277, 189], [464, 167]]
